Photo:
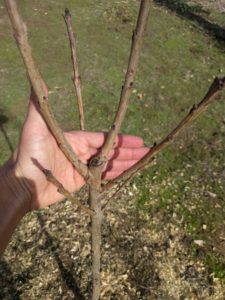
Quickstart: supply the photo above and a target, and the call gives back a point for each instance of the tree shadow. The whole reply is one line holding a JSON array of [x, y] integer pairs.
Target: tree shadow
[[142, 271], [190, 12], [3, 120], [52, 246], [8, 285]]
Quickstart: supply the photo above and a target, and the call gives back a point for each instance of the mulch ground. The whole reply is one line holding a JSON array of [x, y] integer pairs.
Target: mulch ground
[[144, 256]]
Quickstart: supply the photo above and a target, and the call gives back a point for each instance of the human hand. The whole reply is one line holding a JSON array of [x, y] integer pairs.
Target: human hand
[[38, 145]]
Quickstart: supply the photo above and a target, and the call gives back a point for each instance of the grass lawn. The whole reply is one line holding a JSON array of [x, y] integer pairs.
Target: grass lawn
[[185, 189]]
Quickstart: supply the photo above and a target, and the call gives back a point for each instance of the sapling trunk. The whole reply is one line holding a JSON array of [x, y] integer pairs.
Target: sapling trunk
[[96, 223]]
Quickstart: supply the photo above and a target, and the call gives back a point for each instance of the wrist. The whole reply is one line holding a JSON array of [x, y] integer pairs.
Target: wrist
[[17, 189], [14, 203]]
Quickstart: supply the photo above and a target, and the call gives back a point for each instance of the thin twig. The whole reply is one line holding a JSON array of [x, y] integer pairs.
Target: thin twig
[[20, 33], [196, 110], [76, 74], [61, 189], [137, 40]]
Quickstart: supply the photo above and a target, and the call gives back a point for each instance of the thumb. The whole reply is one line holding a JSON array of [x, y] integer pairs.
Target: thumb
[[34, 122]]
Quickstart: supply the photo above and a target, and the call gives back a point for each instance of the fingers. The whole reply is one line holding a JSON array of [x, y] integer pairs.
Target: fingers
[[128, 141], [116, 167], [97, 139], [120, 154], [122, 159], [128, 153], [119, 165]]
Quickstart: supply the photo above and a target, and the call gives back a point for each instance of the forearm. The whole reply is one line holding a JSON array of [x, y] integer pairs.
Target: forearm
[[14, 203]]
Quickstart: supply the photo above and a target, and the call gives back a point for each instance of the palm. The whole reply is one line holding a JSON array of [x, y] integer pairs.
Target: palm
[[38, 149]]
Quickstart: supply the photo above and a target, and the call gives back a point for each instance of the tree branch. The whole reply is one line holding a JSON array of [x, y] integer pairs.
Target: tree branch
[[196, 110], [20, 33], [60, 188], [137, 41], [76, 75]]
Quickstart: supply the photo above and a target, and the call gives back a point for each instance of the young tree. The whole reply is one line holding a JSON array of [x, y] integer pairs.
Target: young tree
[[92, 172]]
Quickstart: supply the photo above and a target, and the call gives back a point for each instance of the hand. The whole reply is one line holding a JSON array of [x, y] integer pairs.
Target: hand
[[38, 144]]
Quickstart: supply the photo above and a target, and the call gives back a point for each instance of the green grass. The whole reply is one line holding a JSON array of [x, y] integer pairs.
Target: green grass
[[178, 63]]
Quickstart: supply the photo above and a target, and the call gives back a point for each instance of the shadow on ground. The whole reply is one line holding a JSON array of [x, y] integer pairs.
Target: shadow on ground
[[192, 13], [8, 284], [3, 120], [52, 245]]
